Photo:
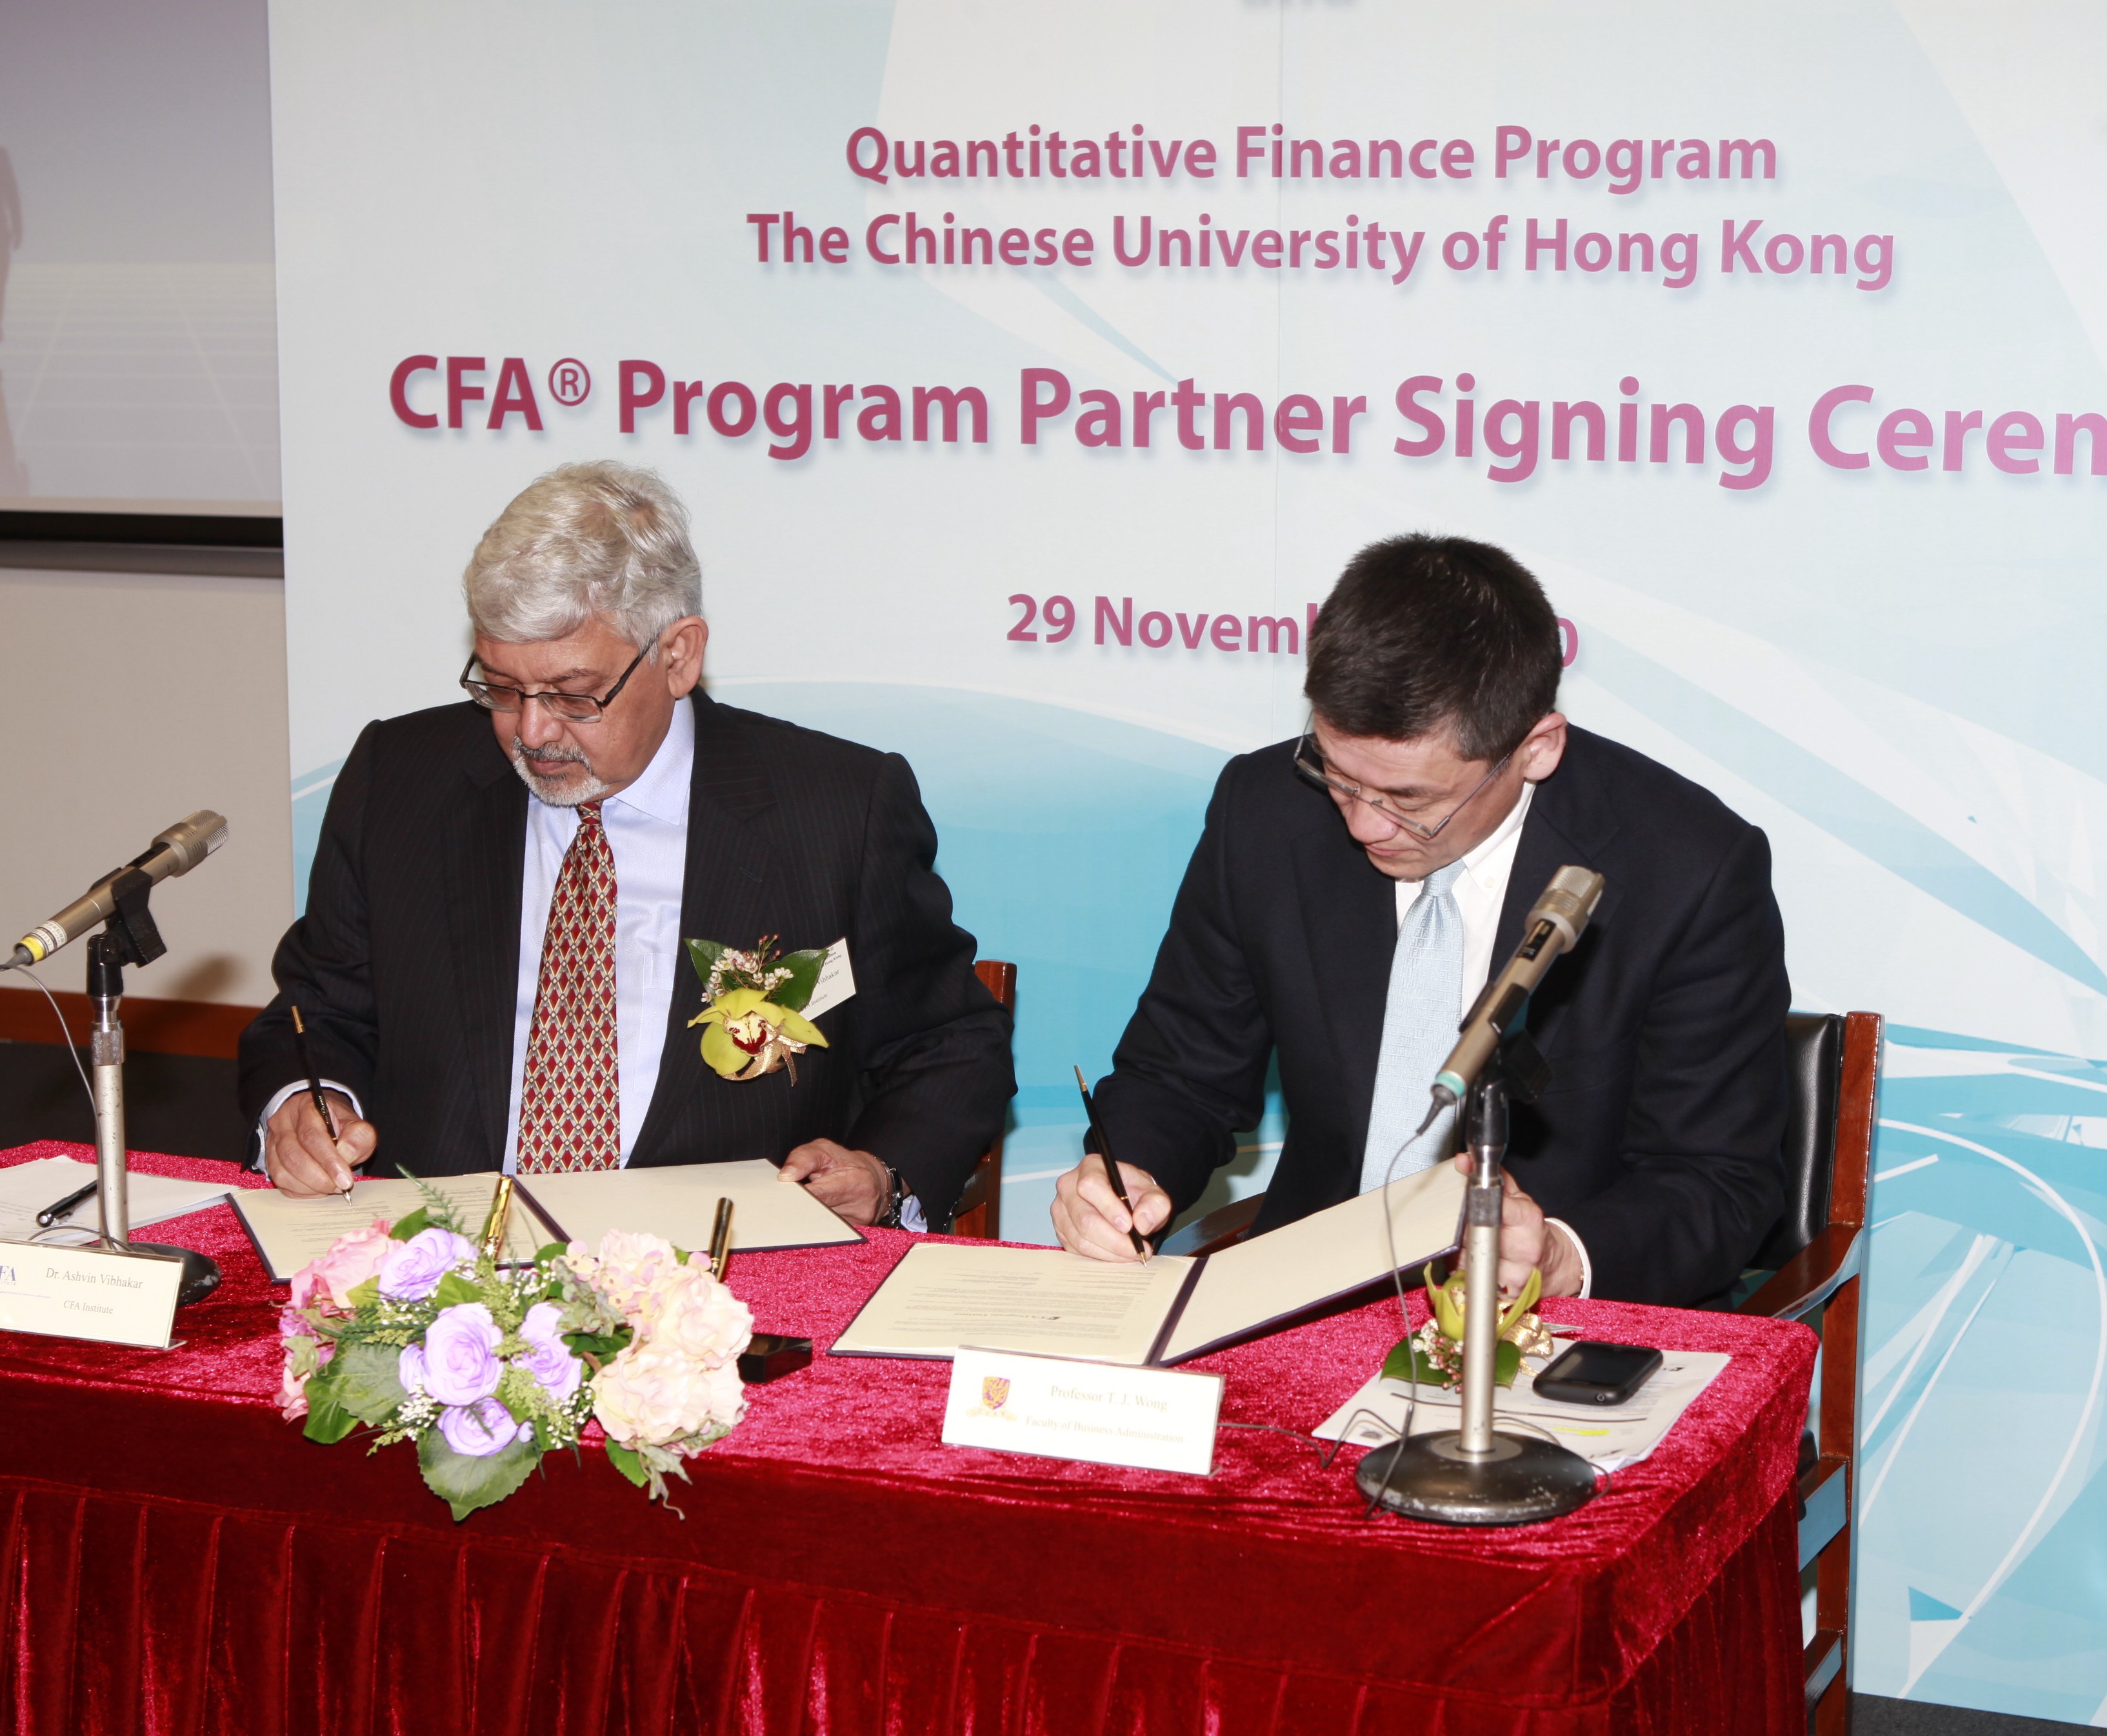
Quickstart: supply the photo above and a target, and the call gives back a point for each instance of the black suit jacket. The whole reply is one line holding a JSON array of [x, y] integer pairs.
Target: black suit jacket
[[406, 963], [1659, 1138]]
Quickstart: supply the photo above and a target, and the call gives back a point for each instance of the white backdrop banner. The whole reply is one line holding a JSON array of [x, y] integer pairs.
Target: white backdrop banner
[[1032, 370]]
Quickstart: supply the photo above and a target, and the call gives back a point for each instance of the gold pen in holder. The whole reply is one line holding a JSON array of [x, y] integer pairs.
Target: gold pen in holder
[[501, 1215], [721, 1241]]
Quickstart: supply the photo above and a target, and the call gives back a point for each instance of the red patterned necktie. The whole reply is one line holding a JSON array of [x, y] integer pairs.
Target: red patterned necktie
[[570, 1105]]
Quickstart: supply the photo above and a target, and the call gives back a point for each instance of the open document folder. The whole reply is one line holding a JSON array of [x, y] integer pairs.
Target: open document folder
[[679, 1201], [290, 1230], [943, 1296]]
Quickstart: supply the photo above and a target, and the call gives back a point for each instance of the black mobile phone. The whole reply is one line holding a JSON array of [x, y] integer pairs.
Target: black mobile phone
[[1589, 1373]]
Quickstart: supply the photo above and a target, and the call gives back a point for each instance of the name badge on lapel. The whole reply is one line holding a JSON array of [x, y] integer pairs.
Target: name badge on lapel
[[837, 981]]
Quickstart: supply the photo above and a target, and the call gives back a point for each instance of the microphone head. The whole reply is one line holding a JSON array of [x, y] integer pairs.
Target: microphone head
[[191, 841], [1568, 902]]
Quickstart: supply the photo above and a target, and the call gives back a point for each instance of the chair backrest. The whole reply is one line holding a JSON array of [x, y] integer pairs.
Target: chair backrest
[[979, 1211], [1814, 1080]]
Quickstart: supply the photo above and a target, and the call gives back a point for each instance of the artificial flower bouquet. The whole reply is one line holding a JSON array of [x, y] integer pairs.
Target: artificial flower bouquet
[[411, 1330]]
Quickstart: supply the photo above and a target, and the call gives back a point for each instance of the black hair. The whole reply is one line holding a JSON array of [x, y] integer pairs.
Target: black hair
[[1422, 632]]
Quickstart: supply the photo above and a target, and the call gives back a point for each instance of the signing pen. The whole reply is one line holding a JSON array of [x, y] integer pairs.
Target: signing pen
[[315, 1083], [1112, 1169], [58, 1208]]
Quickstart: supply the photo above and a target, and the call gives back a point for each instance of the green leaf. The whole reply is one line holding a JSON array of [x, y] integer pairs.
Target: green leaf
[[1405, 1355], [549, 1250], [627, 1462], [804, 968], [454, 1289], [417, 1220], [703, 954], [605, 1346], [328, 1422], [466, 1484], [362, 1379], [363, 1295]]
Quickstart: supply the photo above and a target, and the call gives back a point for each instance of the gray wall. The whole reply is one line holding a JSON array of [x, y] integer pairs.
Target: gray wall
[[138, 698]]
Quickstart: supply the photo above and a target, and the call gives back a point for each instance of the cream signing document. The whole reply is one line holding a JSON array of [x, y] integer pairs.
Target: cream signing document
[[290, 1232], [679, 1201], [945, 1295], [1328, 1254]]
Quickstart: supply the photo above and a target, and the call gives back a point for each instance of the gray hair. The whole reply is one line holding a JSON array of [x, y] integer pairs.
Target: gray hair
[[583, 540]]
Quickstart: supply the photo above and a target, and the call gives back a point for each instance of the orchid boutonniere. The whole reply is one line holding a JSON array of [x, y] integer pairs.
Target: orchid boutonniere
[[752, 1006]]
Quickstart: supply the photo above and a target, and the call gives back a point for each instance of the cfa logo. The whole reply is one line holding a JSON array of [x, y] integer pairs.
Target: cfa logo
[[569, 384]]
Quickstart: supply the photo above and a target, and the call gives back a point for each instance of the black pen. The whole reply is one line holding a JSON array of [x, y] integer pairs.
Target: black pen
[[58, 1208], [1112, 1169], [314, 1082]]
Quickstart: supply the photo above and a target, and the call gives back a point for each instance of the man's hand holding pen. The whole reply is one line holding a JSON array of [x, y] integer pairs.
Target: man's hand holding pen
[[1090, 1220], [298, 1155]]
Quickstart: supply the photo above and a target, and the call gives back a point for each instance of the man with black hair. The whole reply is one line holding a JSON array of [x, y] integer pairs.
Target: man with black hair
[[1353, 890]]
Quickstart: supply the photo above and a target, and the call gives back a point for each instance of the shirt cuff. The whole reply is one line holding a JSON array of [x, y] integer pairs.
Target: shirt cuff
[[284, 1095], [1580, 1248], [912, 1217]]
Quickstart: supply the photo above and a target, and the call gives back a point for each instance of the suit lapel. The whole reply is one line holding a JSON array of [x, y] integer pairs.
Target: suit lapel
[[1350, 917], [724, 895], [486, 858], [1566, 827]]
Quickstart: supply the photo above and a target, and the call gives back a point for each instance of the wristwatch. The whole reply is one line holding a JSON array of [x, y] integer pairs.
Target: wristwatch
[[889, 1218]]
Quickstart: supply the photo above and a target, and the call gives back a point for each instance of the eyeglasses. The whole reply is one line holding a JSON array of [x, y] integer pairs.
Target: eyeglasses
[[1310, 762], [573, 707]]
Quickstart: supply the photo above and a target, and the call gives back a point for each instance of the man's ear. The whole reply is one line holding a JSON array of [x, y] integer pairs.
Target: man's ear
[[684, 643], [1543, 748]]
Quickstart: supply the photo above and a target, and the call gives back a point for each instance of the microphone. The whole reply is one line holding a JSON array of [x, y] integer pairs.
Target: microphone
[[177, 850], [1555, 925]]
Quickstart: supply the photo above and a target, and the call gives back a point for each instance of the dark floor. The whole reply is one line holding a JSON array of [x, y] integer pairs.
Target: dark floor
[[1872, 1715], [175, 1102]]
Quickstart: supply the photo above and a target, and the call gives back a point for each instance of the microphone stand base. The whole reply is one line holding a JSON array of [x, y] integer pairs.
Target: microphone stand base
[[1522, 1482], [200, 1271]]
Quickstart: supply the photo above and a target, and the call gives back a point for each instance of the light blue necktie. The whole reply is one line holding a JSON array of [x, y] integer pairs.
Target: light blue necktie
[[1420, 1015]]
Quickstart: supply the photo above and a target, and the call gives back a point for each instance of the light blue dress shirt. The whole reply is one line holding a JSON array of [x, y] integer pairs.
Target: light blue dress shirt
[[647, 830]]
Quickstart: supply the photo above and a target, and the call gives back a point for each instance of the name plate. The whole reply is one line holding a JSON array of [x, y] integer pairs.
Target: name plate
[[1156, 1419], [88, 1292]]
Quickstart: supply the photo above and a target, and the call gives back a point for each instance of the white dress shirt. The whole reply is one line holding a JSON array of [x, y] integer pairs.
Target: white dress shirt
[[1480, 890]]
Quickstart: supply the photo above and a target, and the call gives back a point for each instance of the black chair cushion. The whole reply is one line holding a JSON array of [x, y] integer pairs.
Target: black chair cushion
[[1814, 1079]]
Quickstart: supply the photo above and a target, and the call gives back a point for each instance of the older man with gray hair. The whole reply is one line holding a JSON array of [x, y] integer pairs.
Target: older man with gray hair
[[492, 967]]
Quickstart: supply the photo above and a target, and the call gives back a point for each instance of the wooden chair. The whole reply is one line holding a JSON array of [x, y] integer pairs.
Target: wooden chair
[[1814, 1255], [979, 1213], [1812, 1258]]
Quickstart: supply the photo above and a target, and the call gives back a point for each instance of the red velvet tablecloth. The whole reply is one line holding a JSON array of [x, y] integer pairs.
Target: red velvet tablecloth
[[178, 1558]]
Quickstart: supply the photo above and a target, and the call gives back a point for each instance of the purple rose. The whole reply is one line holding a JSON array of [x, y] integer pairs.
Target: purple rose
[[413, 1269], [477, 1431], [548, 1359], [410, 1368], [460, 1355]]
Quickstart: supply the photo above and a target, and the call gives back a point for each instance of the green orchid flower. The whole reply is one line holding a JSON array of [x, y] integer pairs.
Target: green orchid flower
[[749, 1035], [1447, 1300]]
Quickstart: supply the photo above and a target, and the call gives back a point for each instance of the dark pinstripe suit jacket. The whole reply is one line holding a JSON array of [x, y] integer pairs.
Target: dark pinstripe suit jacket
[[405, 964]]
